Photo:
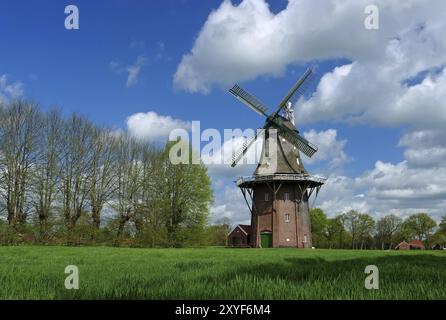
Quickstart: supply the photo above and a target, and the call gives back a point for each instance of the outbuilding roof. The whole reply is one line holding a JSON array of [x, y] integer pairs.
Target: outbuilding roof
[[245, 228], [416, 243]]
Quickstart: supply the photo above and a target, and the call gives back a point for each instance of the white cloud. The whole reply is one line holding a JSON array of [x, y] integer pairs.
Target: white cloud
[[151, 126], [241, 42], [10, 90], [363, 93], [232, 206], [219, 163], [426, 148], [330, 149], [339, 195], [133, 71], [372, 89], [390, 193]]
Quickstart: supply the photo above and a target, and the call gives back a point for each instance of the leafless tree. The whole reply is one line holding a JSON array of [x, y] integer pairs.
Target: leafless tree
[[76, 159], [47, 168], [146, 210], [19, 134], [128, 182], [102, 172]]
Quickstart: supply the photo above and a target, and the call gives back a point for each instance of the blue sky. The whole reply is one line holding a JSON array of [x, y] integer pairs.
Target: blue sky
[[86, 71]]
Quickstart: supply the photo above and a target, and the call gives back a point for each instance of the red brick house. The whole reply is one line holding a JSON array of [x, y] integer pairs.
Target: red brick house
[[240, 236]]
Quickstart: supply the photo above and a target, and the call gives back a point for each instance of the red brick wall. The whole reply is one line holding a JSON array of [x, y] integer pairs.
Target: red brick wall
[[285, 234]]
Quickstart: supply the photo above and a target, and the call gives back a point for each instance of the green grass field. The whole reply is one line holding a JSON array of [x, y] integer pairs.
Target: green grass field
[[33, 272]]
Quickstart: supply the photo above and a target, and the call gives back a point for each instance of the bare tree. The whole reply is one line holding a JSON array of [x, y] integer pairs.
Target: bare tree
[[19, 134], [77, 146], [46, 172], [147, 212], [128, 182], [102, 173]]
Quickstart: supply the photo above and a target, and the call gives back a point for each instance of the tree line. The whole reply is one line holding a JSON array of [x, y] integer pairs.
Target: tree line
[[66, 180], [355, 230]]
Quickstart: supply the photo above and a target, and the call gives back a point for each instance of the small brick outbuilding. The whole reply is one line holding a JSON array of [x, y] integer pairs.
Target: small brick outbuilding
[[240, 236], [403, 246]]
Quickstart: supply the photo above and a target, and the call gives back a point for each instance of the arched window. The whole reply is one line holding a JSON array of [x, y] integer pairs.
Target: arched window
[[287, 217]]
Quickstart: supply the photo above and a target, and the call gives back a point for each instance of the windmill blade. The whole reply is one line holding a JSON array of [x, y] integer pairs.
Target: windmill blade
[[246, 145], [298, 87], [302, 89], [298, 141], [248, 99]]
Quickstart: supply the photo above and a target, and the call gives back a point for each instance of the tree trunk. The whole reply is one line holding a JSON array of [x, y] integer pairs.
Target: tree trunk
[[96, 216]]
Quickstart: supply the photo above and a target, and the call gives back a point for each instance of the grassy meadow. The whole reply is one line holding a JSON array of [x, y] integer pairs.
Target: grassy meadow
[[37, 272]]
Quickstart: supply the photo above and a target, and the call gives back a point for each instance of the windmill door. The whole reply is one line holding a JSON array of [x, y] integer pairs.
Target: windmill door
[[266, 239]]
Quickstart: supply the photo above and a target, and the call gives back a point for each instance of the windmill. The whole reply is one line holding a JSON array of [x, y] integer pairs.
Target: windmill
[[277, 193]]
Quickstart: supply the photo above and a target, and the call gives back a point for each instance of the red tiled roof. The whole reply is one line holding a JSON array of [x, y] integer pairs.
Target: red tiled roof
[[416, 243]]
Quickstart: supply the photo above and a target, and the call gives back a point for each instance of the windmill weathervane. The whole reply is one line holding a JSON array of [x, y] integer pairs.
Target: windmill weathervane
[[277, 193]]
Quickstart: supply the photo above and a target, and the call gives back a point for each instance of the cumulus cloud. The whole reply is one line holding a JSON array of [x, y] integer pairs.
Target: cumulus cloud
[[10, 90], [415, 184], [425, 148], [230, 205], [373, 88], [358, 93], [152, 126], [241, 42], [330, 149]]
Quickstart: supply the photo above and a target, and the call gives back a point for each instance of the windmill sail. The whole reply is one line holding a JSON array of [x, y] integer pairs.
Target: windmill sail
[[298, 141], [248, 99], [246, 145], [298, 87]]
